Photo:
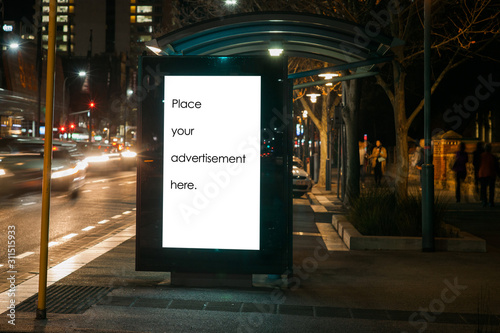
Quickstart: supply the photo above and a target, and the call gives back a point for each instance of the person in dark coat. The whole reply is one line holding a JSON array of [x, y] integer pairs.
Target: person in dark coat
[[420, 160], [476, 162], [460, 168], [487, 175]]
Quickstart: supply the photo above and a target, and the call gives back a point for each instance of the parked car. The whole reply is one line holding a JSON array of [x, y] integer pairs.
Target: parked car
[[22, 162], [301, 182], [298, 162]]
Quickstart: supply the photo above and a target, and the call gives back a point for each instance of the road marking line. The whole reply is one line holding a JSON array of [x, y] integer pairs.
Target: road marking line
[[53, 244], [28, 203], [24, 255], [68, 236], [127, 212], [1, 265], [116, 216], [29, 287], [61, 196], [86, 191], [105, 187], [88, 228], [103, 221]]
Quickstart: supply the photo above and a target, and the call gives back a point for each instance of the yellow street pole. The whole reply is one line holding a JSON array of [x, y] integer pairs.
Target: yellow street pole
[[41, 312]]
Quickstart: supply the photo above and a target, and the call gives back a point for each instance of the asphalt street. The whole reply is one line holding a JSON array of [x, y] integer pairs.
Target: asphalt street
[[330, 291]]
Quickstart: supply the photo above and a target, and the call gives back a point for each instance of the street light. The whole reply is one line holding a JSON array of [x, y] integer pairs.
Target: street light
[[80, 74], [275, 48], [313, 97], [328, 76]]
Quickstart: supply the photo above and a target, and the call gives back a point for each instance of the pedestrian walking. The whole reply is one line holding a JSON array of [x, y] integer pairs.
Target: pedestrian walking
[[362, 157], [378, 159], [487, 175], [476, 162], [460, 168], [419, 160]]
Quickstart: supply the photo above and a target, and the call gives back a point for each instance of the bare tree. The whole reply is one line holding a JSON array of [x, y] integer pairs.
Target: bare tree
[[461, 30]]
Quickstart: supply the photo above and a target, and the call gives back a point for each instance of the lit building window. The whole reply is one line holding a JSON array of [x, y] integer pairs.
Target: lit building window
[[132, 19], [62, 1], [45, 38], [45, 9], [45, 18], [62, 18], [62, 9], [145, 38], [144, 9], [65, 28], [132, 9], [65, 38], [63, 47], [144, 19], [71, 9]]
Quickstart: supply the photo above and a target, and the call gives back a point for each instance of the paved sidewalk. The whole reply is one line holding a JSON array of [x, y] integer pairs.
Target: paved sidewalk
[[332, 290]]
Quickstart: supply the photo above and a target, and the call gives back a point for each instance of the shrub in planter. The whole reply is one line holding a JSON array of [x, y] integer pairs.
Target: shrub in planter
[[377, 212]]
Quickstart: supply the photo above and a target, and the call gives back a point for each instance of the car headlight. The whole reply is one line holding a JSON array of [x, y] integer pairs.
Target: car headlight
[[93, 159], [82, 165], [64, 173], [129, 154], [5, 173]]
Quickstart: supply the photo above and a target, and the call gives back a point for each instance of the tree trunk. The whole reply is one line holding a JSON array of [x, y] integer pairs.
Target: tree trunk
[[350, 115], [323, 136], [401, 122]]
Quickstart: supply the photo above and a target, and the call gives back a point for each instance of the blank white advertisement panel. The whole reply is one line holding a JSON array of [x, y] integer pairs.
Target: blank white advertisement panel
[[211, 167]]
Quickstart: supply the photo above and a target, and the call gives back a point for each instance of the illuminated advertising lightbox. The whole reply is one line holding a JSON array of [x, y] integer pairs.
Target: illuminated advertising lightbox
[[211, 156], [214, 190]]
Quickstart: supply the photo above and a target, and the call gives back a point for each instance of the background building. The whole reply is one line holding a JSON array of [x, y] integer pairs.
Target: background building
[[101, 26]]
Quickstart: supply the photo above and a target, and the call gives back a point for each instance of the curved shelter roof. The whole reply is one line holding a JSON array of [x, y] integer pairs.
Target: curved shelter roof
[[301, 35]]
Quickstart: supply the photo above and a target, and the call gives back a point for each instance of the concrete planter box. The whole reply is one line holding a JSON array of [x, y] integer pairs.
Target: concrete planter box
[[355, 241]]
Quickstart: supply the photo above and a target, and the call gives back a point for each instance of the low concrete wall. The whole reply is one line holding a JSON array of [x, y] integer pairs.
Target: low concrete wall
[[355, 241]]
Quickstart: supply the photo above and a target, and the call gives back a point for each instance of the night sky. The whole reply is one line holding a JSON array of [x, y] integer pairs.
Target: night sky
[[15, 10]]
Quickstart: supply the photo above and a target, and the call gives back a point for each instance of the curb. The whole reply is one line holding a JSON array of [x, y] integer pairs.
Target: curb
[[466, 242], [321, 213]]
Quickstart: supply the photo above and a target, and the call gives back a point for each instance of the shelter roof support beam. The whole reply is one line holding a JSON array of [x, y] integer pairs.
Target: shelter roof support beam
[[337, 79], [341, 67]]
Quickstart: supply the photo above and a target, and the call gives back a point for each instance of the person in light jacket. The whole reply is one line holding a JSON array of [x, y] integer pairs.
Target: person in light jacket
[[378, 159]]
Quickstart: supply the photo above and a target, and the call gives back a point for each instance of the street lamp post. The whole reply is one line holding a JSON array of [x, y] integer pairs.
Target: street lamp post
[[314, 160], [80, 74], [427, 167]]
